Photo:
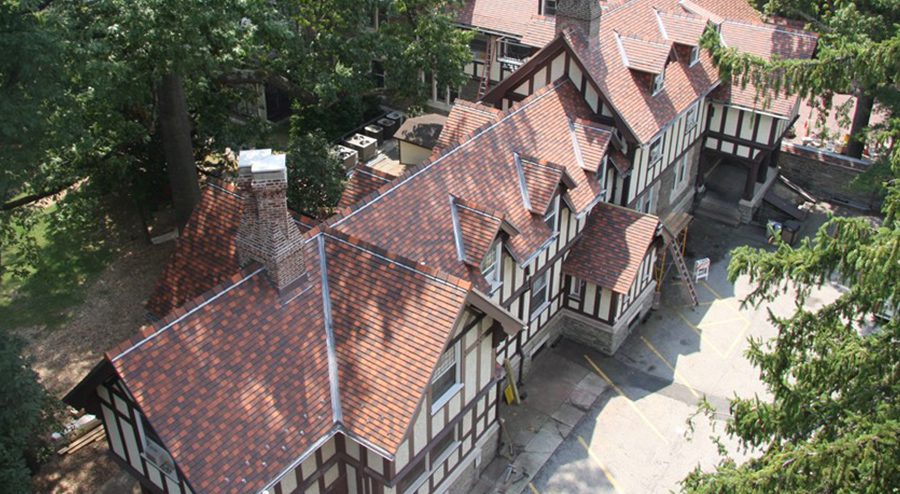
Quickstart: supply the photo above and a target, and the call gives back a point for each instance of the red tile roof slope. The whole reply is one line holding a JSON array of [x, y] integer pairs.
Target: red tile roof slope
[[606, 257], [506, 16], [681, 27], [723, 9], [479, 228], [465, 117], [411, 216], [391, 325], [541, 181], [204, 255], [644, 55], [362, 182], [539, 31], [240, 373], [593, 142]]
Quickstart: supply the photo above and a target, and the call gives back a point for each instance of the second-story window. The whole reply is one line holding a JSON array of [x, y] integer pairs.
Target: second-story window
[[655, 151], [446, 378], [690, 119], [576, 288], [538, 293], [549, 7], [513, 51], [551, 217], [490, 265]]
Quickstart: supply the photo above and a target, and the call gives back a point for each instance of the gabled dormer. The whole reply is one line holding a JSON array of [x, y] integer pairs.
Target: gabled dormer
[[479, 234], [684, 31], [647, 59], [541, 185]]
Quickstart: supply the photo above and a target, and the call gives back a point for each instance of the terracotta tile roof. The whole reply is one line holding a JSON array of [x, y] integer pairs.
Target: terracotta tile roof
[[465, 117], [539, 31], [478, 229], [506, 16], [717, 10], [363, 181], [612, 247], [644, 55], [411, 214], [593, 142], [204, 255], [619, 160], [682, 28], [236, 382], [541, 183]]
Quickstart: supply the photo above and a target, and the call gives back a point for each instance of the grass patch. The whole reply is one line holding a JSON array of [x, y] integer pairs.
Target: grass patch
[[73, 248]]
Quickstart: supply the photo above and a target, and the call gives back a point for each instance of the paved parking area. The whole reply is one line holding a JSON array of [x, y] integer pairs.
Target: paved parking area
[[634, 438]]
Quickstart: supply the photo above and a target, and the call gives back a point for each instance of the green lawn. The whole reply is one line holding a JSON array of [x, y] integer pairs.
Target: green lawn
[[71, 255]]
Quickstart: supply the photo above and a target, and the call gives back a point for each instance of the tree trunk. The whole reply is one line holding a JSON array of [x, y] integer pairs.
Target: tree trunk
[[864, 104], [175, 129]]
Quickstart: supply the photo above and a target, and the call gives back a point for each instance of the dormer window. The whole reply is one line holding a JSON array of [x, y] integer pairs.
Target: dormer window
[[549, 7], [695, 56], [552, 214], [490, 268], [658, 82]]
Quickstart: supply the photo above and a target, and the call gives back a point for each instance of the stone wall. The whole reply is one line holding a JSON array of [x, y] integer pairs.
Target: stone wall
[[824, 175], [601, 336]]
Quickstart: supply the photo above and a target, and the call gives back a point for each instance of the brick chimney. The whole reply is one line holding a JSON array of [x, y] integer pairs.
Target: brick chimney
[[580, 14], [267, 233]]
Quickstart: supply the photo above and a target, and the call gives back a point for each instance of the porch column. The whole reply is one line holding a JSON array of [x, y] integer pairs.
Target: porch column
[[763, 171], [750, 183]]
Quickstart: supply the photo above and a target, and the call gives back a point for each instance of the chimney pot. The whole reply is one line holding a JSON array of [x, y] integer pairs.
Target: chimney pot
[[267, 233]]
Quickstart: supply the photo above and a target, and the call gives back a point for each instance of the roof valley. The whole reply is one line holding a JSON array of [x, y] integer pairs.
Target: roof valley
[[329, 335]]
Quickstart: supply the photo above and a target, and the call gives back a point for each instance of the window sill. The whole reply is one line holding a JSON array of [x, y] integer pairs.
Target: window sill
[[540, 310], [494, 288], [158, 467], [440, 402]]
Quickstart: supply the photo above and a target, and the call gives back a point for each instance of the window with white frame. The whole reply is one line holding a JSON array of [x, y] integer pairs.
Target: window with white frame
[[549, 7], [413, 478], [690, 119], [446, 378], [551, 217], [646, 204], [601, 170], [576, 288], [538, 293], [656, 151], [490, 265], [680, 174], [153, 450], [659, 81], [695, 55], [513, 51]]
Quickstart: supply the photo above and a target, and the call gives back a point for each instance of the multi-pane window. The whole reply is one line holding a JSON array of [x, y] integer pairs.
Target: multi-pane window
[[538, 293], [690, 119], [153, 450], [646, 204], [658, 82], [514, 51], [443, 446], [552, 215], [576, 288], [412, 477], [680, 174], [446, 377], [695, 55], [489, 265], [656, 151]]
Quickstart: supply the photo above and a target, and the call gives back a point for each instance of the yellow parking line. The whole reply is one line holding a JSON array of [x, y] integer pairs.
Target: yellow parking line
[[627, 400], [606, 472], [533, 488], [672, 368], [739, 337], [700, 333], [715, 293], [723, 321]]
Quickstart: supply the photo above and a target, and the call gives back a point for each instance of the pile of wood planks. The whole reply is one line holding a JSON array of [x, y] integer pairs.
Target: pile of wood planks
[[92, 433]]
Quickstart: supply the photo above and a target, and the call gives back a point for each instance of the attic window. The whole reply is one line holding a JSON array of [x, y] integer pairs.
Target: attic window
[[153, 451], [445, 383], [489, 268], [695, 56], [658, 82], [655, 150], [549, 7], [550, 218]]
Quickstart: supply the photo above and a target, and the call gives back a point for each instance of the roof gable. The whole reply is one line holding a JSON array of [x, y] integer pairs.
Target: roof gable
[[643, 55], [465, 117], [591, 141], [682, 28]]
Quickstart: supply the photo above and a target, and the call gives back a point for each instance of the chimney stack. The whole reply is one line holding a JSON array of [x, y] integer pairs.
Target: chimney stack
[[580, 14], [267, 233]]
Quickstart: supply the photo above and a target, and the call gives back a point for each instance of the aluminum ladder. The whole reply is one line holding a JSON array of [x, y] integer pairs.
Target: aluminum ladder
[[485, 83], [678, 260]]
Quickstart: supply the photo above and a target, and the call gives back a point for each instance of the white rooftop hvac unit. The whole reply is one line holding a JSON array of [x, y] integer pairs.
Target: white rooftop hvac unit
[[349, 157]]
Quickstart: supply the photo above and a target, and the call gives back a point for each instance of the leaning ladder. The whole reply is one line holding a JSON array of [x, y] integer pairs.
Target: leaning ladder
[[678, 260], [486, 71]]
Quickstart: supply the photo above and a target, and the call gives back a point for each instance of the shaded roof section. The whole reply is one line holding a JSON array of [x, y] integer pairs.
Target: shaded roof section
[[644, 55], [412, 216], [422, 130], [478, 227], [593, 142], [204, 254], [681, 27], [539, 31], [465, 117], [612, 247], [541, 180], [362, 182]]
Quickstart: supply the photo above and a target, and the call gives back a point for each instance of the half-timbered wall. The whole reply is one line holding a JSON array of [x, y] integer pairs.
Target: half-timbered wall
[[122, 421], [593, 301], [675, 139], [741, 132], [643, 279]]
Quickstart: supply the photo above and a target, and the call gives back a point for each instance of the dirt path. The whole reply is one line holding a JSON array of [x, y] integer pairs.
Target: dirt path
[[113, 311]]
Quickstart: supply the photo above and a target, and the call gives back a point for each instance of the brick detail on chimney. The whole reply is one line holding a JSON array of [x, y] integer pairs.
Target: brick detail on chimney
[[267, 233], [583, 15]]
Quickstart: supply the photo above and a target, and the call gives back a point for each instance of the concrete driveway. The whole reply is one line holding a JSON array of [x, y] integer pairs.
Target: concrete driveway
[[634, 438]]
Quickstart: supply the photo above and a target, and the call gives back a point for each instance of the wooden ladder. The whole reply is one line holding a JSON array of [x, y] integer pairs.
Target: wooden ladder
[[486, 72], [678, 260]]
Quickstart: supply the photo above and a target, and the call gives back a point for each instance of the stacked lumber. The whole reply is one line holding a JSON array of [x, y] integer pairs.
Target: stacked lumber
[[93, 433]]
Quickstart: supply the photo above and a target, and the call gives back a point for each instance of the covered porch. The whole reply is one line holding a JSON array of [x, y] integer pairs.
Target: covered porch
[[733, 186]]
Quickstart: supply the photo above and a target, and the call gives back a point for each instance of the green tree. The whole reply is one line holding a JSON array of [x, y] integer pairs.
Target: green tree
[[858, 53], [833, 424], [22, 416], [316, 175]]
